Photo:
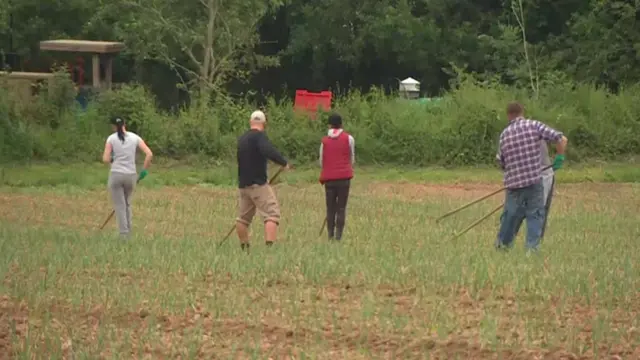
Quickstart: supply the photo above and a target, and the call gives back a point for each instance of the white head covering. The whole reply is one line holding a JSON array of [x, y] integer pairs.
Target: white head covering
[[258, 116]]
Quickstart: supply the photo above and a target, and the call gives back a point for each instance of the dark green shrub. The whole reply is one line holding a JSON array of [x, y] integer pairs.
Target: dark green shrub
[[461, 129]]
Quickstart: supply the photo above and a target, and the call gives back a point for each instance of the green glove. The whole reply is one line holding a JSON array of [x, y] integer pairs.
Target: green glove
[[557, 162], [143, 174]]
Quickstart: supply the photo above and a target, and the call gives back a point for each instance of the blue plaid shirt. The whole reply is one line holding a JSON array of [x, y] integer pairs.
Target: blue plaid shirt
[[519, 151]]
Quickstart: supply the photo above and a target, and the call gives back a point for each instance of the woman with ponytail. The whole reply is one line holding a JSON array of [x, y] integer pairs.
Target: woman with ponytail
[[120, 152]]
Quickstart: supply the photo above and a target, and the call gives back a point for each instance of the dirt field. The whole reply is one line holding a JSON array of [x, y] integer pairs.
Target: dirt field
[[396, 288]]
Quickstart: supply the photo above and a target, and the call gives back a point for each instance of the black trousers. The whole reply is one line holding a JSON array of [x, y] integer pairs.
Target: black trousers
[[337, 195]]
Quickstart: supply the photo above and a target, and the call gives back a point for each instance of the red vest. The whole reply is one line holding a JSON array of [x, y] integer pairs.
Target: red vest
[[336, 158]]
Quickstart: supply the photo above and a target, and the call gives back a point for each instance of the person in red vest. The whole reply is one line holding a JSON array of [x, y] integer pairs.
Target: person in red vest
[[337, 156]]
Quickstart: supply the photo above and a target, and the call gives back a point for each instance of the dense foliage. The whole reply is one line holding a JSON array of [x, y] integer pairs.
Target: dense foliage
[[574, 63], [460, 129], [319, 44]]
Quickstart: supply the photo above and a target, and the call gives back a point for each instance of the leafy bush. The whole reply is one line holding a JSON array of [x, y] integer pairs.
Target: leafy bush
[[461, 129], [15, 140]]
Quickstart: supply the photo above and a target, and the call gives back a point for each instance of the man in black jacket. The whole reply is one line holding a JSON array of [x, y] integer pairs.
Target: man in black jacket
[[254, 149]]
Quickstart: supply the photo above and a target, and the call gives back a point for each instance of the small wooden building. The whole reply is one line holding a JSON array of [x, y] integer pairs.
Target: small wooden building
[[101, 51]]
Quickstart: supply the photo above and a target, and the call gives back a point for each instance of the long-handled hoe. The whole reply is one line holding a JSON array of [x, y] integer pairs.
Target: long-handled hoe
[[475, 223], [111, 215], [324, 224], [273, 178], [480, 220]]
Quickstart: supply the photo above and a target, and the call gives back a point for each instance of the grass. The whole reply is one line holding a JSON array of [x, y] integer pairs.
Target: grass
[[397, 287], [93, 176]]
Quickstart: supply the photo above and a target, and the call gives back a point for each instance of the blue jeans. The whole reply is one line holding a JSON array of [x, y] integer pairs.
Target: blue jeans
[[519, 204], [548, 183]]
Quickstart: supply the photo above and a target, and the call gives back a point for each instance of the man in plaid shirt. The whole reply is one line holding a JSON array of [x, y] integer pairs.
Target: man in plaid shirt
[[520, 158]]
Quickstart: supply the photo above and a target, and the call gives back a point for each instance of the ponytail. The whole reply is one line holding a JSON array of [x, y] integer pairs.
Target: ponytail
[[120, 131], [119, 124]]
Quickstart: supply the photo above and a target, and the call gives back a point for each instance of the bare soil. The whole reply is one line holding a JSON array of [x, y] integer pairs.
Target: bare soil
[[217, 337]]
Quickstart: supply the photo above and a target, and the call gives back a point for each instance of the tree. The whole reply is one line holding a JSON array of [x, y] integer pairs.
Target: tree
[[207, 42], [5, 10], [36, 20], [603, 45], [5, 31], [378, 41]]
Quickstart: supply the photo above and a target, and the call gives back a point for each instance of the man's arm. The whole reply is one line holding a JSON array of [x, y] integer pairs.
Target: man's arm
[[552, 135], [352, 146], [561, 145], [320, 158], [269, 151]]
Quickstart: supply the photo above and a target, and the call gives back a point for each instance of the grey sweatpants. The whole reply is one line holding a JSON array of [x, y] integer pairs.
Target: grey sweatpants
[[121, 187]]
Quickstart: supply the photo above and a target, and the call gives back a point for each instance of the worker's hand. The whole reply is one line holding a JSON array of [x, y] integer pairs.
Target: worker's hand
[[557, 162], [143, 174], [288, 167]]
